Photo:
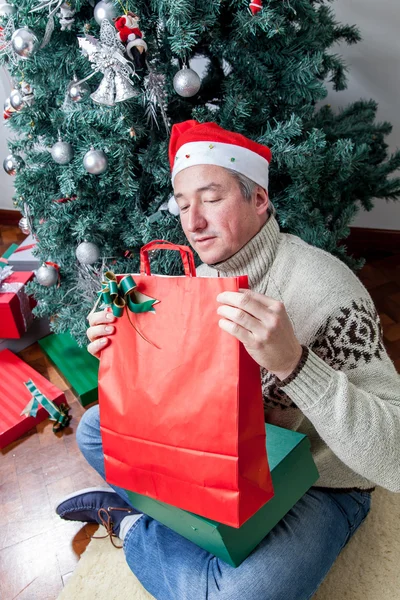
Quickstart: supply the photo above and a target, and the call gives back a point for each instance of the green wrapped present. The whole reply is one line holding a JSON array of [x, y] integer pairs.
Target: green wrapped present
[[293, 472], [78, 367]]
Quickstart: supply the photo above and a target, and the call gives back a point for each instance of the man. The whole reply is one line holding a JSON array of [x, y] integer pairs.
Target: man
[[313, 329]]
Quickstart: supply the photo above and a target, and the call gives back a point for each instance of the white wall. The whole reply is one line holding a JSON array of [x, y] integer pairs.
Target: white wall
[[374, 72]]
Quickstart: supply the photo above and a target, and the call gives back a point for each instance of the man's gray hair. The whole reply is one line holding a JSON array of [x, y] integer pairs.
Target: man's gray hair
[[247, 186]]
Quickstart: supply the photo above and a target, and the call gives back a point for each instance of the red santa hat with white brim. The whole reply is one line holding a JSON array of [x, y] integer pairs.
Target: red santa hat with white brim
[[193, 143]]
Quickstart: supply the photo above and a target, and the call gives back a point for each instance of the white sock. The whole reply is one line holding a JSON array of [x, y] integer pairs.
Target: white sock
[[126, 524]]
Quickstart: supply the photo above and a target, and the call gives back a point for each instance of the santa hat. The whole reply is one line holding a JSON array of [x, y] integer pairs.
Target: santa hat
[[192, 143]]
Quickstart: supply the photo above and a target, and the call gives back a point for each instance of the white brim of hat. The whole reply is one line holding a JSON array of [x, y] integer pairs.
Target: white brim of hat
[[230, 156]]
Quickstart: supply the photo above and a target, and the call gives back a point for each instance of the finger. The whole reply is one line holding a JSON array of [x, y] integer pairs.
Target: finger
[[103, 316], [246, 301], [98, 331], [241, 334], [271, 303], [96, 347], [242, 318]]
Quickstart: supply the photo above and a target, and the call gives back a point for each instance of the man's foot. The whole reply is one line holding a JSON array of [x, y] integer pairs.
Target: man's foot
[[96, 505]]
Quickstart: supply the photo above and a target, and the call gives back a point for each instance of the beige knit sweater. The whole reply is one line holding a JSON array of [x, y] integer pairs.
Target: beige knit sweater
[[346, 397]]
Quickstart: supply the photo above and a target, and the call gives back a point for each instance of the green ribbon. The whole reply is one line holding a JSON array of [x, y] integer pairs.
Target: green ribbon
[[124, 293], [59, 414]]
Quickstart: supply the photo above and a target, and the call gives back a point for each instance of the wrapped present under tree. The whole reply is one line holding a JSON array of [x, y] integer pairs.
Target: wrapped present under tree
[[22, 259], [26, 399], [78, 367], [40, 326], [15, 305]]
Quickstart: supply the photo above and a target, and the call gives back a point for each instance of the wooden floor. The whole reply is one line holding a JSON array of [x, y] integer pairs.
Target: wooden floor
[[38, 551]]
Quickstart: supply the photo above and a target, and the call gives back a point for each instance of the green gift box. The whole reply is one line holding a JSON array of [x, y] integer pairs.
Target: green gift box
[[293, 473], [78, 367]]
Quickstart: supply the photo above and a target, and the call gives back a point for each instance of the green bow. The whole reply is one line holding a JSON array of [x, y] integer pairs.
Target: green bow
[[124, 293], [59, 414]]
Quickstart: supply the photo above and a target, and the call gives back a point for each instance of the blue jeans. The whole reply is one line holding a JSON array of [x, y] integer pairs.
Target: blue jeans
[[288, 564]]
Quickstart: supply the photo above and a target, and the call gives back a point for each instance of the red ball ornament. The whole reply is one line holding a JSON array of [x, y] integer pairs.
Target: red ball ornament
[[255, 6]]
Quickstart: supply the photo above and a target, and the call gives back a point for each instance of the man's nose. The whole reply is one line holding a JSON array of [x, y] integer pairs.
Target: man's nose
[[196, 219]]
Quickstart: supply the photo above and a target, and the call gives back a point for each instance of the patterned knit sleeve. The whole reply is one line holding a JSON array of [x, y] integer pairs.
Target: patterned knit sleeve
[[349, 389], [352, 337]]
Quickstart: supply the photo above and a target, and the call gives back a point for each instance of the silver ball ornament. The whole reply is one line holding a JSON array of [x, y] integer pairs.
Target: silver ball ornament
[[95, 162], [173, 206], [24, 226], [16, 100], [87, 253], [24, 42], [186, 82], [12, 163], [7, 106], [104, 10], [62, 153], [6, 10], [27, 93], [47, 275], [78, 91]]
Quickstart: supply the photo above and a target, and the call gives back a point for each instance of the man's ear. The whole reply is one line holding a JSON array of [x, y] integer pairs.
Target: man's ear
[[261, 200]]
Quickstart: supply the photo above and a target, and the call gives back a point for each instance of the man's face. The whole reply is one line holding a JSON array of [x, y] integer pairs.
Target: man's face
[[215, 217]]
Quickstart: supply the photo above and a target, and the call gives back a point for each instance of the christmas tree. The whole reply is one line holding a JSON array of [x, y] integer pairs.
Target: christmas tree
[[97, 89]]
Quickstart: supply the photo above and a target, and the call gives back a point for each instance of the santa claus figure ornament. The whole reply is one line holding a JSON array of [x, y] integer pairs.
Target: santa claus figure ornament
[[255, 6], [132, 38]]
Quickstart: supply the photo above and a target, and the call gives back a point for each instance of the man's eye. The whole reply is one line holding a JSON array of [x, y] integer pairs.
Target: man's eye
[[212, 201], [183, 208]]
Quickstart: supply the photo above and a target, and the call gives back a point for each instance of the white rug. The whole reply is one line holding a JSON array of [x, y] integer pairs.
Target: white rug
[[367, 569]]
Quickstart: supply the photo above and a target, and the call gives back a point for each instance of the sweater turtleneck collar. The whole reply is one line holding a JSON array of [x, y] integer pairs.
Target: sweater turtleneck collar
[[255, 258]]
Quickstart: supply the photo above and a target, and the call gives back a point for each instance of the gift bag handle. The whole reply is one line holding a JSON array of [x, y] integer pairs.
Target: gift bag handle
[[185, 252]]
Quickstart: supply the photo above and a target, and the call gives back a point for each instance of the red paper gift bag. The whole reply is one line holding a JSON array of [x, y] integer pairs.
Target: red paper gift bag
[[181, 408]]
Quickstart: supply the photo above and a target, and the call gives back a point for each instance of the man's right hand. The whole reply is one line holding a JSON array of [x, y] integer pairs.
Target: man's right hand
[[99, 331]]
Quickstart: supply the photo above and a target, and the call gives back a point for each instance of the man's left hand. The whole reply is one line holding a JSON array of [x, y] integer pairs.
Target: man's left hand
[[264, 327]]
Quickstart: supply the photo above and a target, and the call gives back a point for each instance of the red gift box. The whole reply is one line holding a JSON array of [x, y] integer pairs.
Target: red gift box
[[14, 396], [15, 306]]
